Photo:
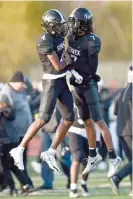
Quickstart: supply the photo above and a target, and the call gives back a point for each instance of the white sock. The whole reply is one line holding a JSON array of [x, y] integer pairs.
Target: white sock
[[73, 186], [83, 182], [52, 151]]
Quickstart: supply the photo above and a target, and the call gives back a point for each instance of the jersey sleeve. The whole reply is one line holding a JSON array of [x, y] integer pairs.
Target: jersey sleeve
[[94, 45], [45, 44]]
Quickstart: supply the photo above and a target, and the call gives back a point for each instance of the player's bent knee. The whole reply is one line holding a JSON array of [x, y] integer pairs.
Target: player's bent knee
[[67, 122], [45, 118], [39, 123], [101, 123], [69, 116], [88, 122]]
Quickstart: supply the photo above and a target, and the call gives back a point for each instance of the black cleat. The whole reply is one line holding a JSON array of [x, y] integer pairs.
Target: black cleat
[[115, 184], [84, 190], [73, 193]]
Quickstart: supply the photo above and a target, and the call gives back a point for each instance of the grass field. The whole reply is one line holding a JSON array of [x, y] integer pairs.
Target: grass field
[[99, 188]]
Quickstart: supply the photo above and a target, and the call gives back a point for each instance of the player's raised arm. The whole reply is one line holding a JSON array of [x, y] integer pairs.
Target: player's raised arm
[[47, 53], [57, 64]]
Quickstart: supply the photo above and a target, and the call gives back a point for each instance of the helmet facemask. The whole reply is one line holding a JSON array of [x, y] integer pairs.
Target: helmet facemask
[[78, 26]]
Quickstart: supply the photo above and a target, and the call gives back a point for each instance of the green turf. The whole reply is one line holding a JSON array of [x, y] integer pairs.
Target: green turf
[[99, 188]]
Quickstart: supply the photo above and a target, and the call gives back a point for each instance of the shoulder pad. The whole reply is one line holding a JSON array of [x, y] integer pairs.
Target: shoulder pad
[[45, 44], [94, 44]]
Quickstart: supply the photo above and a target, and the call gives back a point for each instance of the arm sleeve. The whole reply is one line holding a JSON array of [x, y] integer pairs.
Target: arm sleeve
[[94, 47], [45, 45], [35, 103], [116, 105], [29, 88]]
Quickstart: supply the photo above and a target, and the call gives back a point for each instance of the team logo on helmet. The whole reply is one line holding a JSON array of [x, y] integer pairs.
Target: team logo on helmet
[[86, 16]]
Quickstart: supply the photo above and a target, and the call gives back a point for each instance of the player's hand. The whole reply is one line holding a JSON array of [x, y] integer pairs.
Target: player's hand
[[67, 58], [78, 78]]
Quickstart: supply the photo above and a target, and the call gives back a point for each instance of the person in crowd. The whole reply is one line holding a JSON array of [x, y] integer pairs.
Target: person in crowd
[[123, 110], [17, 90], [46, 140], [106, 99], [79, 149], [9, 138]]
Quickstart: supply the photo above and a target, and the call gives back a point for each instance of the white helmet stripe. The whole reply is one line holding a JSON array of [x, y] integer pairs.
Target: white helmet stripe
[[62, 17]]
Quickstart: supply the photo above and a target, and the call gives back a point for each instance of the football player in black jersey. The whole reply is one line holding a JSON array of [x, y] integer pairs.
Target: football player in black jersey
[[51, 47], [84, 47]]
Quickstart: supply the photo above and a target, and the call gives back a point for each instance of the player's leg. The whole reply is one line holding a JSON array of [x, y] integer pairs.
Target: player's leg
[[92, 99], [84, 178], [65, 106], [48, 101], [76, 148], [84, 114]]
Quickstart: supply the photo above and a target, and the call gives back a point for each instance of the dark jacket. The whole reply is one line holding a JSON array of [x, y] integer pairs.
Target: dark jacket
[[20, 104], [7, 131], [123, 110]]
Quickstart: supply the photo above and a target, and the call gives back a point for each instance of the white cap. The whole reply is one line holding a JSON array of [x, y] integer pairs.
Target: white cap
[[130, 74]]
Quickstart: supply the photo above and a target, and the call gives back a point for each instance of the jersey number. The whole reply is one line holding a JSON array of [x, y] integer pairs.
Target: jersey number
[[74, 58]]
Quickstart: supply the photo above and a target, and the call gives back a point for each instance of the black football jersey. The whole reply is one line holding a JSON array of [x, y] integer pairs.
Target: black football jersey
[[84, 52], [46, 44]]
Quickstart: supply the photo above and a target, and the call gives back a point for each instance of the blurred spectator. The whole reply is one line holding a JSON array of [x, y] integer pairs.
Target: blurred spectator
[[17, 90], [9, 139], [113, 129], [106, 96], [46, 172], [123, 110], [105, 104], [35, 98], [65, 160], [79, 149], [113, 85]]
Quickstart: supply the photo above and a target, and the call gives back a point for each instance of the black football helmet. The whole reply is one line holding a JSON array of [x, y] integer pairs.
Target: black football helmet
[[79, 20], [55, 23]]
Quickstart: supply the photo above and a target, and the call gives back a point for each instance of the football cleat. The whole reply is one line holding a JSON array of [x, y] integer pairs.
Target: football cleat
[[91, 163], [50, 160], [84, 190], [114, 166], [17, 154], [115, 184], [73, 194]]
